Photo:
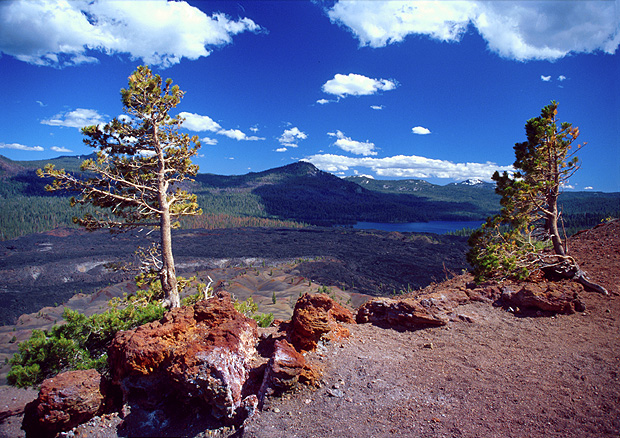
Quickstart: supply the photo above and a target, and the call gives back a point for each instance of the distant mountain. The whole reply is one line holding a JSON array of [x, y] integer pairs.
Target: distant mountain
[[71, 163], [392, 186], [9, 168], [477, 197], [20, 177], [257, 179], [475, 182], [299, 192], [579, 209]]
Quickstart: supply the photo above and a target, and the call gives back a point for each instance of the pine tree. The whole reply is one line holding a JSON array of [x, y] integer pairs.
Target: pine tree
[[510, 244], [142, 161]]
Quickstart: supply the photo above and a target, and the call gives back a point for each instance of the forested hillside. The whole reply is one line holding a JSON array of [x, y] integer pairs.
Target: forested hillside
[[288, 196], [580, 210]]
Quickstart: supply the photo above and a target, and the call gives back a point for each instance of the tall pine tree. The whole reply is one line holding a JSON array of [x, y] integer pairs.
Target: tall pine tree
[[142, 160]]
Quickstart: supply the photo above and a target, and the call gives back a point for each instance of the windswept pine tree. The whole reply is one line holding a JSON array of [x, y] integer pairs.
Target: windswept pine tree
[[511, 244], [135, 179]]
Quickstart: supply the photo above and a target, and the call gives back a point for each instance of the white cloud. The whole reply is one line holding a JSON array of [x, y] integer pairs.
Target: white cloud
[[77, 118], [322, 101], [20, 147], [281, 150], [411, 166], [290, 137], [420, 130], [60, 149], [356, 85], [355, 147], [236, 134], [377, 24], [562, 78], [208, 141], [198, 123], [516, 30], [61, 33], [377, 107], [545, 78], [588, 188]]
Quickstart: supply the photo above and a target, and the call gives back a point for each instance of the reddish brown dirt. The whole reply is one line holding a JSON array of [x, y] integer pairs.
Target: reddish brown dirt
[[488, 373]]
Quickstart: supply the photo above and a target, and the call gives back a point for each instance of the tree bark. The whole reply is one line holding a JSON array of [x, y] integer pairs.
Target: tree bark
[[552, 221], [167, 274]]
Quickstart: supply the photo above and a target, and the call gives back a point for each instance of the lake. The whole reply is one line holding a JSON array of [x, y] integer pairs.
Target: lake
[[438, 227]]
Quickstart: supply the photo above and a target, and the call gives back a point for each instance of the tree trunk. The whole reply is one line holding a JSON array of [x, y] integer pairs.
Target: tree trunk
[[167, 275], [552, 222]]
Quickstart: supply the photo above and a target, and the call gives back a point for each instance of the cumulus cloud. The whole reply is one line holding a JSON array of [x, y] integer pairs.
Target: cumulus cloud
[[562, 78], [408, 166], [198, 123], [290, 137], [588, 188], [545, 78], [377, 107], [208, 141], [60, 33], [355, 147], [238, 135], [515, 30], [281, 150], [356, 85], [420, 130], [20, 147], [322, 101], [60, 149], [77, 118]]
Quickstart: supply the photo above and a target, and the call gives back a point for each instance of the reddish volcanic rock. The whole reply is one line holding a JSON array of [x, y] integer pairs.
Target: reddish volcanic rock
[[64, 402], [315, 316], [286, 368], [556, 297], [406, 314], [201, 352]]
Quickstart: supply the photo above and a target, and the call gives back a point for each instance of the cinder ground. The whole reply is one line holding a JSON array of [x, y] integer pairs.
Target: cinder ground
[[488, 373]]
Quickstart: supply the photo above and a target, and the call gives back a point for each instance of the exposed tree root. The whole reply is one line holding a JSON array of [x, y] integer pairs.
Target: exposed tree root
[[568, 268]]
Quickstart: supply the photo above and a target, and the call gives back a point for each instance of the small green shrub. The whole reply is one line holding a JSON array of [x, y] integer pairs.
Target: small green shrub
[[263, 319], [249, 308], [80, 343]]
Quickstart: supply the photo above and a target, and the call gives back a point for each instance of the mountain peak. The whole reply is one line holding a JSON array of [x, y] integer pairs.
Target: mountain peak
[[472, 182], [301, 168]]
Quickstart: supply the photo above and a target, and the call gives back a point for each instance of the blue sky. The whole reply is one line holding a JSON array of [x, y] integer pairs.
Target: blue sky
[[433, 90]]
